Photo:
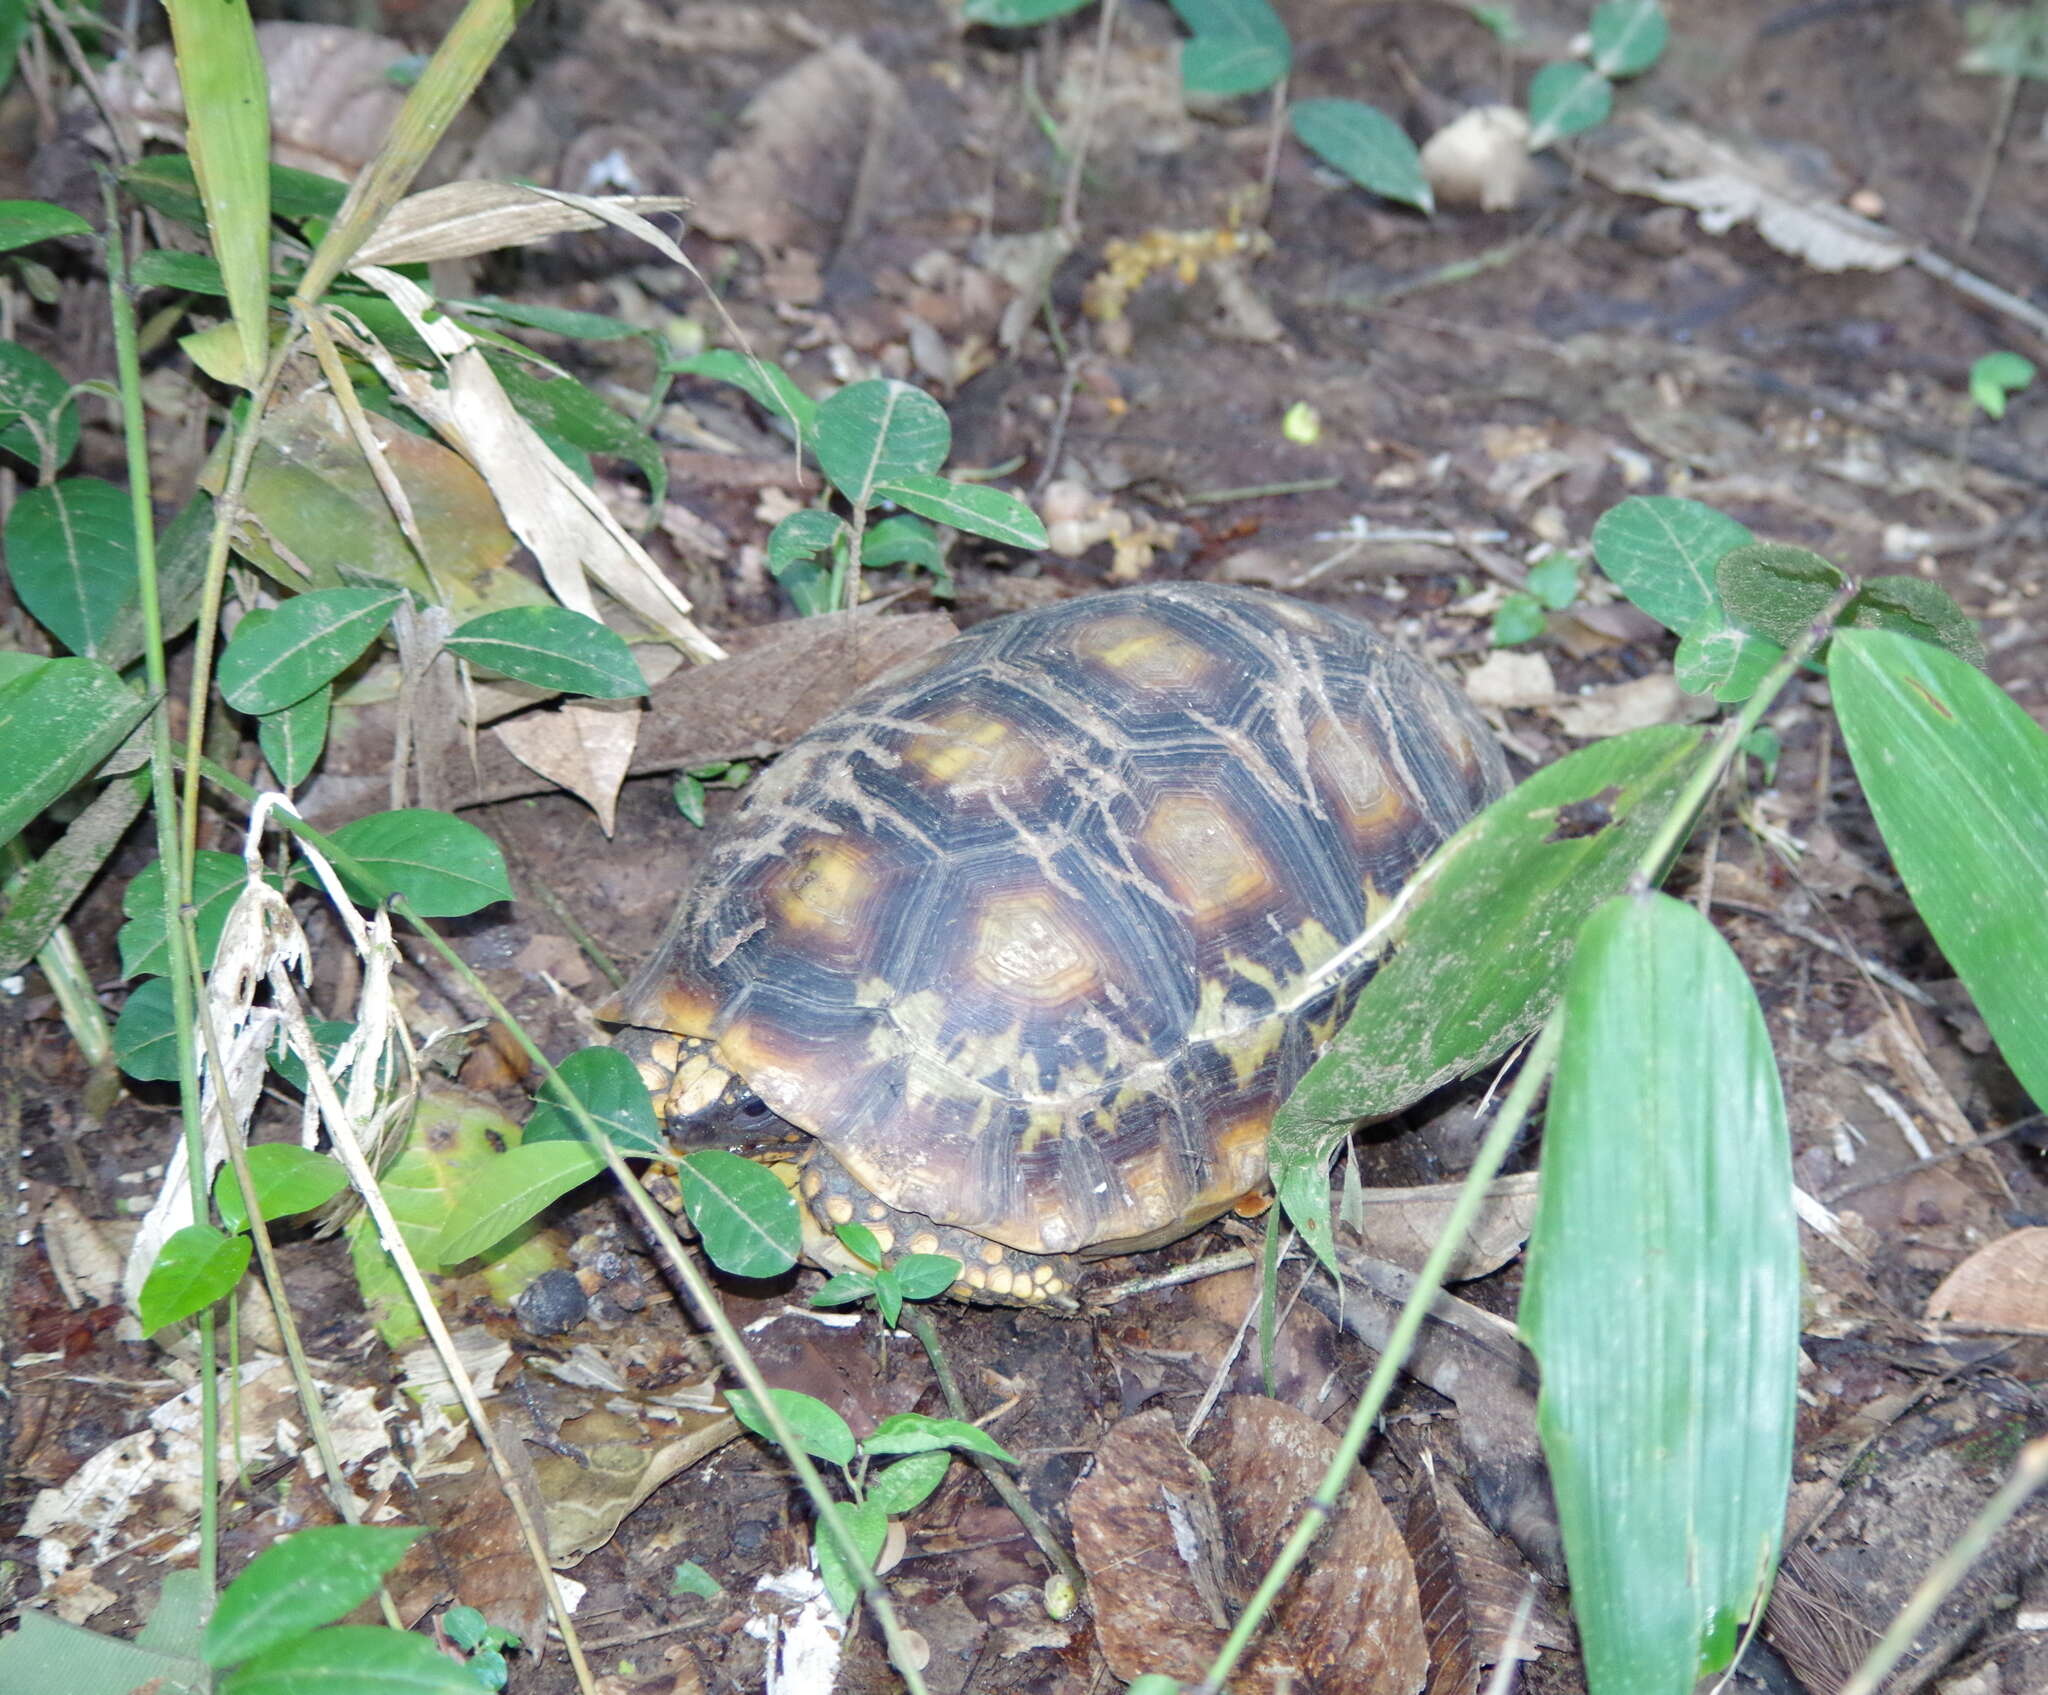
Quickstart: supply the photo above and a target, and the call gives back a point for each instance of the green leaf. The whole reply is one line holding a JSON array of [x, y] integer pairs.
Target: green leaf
[[146, 1033], [878, 432], [193, 1269], [1018, 14], [925, 1276], [352, 1659], [328, 1036], [819, 1429], [38, 422], [843, 1288], [861, 1241], [303, 645], [71, 553], [868, 1526], [913, 1433], [553, 648], [24, 222], [293, 737], [164, 181], [508, 1191], [1774, 590], [609, 1086], [1239, 47], [188, 273], [1519, 619], [902, 540], [689, 798], [1565, 99], [1628, 37], [745, 1213], [554, 320], [443, 865], [46, 1654], [908, 1484], [561, 406], [1720, 660], [971, 507], [1367, 146], [1996, 377], [1661, 552], [802, 536], [38, 902], [1554, 580], [289, 1180], [1956, 773], [1913, 606], [888, 1296], [769, 385], [217, 879], [1662, 1297], [58, 720], [1481, 957], [300, 1582], [692, 1579]]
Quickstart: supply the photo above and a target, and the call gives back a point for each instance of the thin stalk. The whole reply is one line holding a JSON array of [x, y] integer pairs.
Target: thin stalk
[[988, 1465], [1316, 1513], [176, 878]]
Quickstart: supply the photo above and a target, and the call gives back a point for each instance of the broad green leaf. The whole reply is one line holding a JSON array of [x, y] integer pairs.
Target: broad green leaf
[[555, 320], [352, 1659], [1565, 99], [553, 648], [1913, 606], [454, 1142], [1481, 957], [802, 536], [1017, 14], [1628, 37], [444, 866], [925, 1276], [902, 540], [146, 1033], [1956, 773], [217, 879], [506, 1192], [227, 130], [877, 432], [1366, 145], [193, 1269], [23, 222], [1774, 590], [868, 1526], [188, 273], [1239, 46], [38, 422], [1662, 1298], [71, 554], [971, 507], [289, 1180], [1661, 552], [770, 386], [1720, 660], [610, 1089], [908, 1484], [745, 1213], [300, 1582], [816, 1426], [164, 182], [913, 1433], [44, 1653], [57, 721], [293, 737], [37, 903], [561, 406], [303, 645]]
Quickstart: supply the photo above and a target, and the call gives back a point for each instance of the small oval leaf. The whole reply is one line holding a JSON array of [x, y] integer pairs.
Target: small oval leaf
[[1367, 146], [193, 1269], [289, 1179], [880, 431], [309, 640], [821, 1430], [745, 1213], [968, 506], [444, 866], [552, 648]]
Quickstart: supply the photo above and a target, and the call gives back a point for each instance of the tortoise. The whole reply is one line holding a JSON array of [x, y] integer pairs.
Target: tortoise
[[1020, 951]]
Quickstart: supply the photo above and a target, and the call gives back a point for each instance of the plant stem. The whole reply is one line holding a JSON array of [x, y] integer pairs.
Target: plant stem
[[1005, 1485], [1316, 1513]]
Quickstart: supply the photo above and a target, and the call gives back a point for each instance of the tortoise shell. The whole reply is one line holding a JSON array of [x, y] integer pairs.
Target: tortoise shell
[[1037, 933]]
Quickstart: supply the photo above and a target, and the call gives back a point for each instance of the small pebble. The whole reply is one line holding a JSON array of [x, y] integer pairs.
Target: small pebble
[[554, 1302]]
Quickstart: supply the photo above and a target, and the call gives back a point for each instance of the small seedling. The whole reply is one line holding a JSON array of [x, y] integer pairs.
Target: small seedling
[[693, 783], [1996, 378], [913, 1277], [1553, 584], [482, 1641]]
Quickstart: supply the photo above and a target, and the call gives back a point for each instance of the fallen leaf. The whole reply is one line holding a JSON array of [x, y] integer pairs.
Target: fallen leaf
[[2002, 1286], [1614, 707], [586, 749], [1403, 1225], [1507, 679]]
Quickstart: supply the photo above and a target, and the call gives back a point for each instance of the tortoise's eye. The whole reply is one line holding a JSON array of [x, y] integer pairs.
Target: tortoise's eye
[[753, 1107]]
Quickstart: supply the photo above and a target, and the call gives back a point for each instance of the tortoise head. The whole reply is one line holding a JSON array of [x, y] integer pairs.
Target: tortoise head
[[701, 1101]]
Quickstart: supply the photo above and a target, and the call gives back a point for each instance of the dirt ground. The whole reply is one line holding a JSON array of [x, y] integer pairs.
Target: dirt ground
[[873, 187]]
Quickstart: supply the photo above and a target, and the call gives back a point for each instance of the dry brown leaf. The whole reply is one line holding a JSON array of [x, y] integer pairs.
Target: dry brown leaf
[[2002, 1286], [460, 219], [1350, 1621], [1403, 1225], [1506, 679], [1615, 707], [332, 99], [586, 749]]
